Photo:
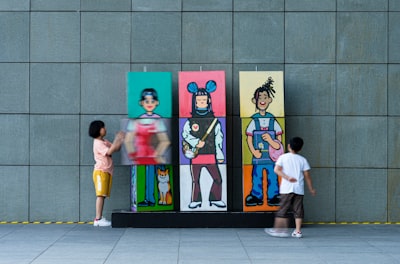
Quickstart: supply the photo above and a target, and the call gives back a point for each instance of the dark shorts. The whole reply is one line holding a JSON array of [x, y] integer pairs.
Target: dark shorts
[[291, 202]]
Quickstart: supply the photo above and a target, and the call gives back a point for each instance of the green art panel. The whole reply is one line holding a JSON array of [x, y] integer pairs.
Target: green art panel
[[152, 188], [159, 81]]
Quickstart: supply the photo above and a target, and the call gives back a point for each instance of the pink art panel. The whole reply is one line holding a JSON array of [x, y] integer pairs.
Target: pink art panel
[[190, 81]]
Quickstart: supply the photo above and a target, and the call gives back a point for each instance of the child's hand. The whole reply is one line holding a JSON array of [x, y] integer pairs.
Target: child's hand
[[313, 192], [292, 179]]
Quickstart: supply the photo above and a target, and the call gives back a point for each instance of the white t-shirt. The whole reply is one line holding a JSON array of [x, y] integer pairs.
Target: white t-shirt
[[293, 165]]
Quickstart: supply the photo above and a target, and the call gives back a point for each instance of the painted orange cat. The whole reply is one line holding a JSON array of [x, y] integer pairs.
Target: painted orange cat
[[164, 187]]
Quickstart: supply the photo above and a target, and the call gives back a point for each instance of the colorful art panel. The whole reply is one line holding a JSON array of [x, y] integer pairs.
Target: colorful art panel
[[147, 141], [250, 81], [209, 187], [216, 137], [211, 83], [267, 152], [152, 188], [141, 83], [263, 204]]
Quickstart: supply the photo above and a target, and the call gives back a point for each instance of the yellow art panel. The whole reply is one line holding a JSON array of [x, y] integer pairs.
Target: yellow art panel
[[249, 81]]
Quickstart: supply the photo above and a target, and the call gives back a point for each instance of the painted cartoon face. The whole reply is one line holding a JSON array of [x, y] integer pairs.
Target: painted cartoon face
[[263, 101], [201, 101], [149, 104]]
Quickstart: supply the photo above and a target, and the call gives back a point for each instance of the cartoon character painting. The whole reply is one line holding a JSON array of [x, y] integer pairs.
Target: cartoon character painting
[[202, 139], [147, 142], [263, 136]]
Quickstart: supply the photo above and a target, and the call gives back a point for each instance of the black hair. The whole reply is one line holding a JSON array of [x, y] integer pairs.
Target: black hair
[[149, 91], [95, 127], [296, 144]]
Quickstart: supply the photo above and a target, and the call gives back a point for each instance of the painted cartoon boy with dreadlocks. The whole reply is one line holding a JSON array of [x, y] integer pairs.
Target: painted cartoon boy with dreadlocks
[[264, 139]]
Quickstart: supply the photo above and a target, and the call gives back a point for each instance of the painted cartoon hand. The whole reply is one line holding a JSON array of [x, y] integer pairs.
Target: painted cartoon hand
[[257, 154], [266, 137], [200, 144]]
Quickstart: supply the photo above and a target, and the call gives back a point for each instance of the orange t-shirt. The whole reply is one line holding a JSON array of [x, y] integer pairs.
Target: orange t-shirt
[[103, 161]]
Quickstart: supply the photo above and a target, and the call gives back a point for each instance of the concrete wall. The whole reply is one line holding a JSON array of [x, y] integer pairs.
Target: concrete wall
[[63, 64]]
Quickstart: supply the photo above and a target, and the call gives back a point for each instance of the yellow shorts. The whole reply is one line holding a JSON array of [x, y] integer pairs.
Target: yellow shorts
[[102, 183]]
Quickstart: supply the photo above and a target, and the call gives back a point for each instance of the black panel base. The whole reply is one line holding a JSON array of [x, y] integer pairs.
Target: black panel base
[[122, 218]]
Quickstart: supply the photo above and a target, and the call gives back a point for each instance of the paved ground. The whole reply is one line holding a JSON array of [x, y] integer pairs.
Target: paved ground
[[83, 243]]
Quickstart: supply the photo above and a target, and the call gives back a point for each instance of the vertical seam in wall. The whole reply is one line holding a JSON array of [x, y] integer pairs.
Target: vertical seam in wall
[[29, 112], [80, 110], [387, 109], [335, 109]]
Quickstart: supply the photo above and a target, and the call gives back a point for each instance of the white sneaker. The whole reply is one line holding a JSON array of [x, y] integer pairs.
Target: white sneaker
[[297, 234], [277, 232], [101, 222]]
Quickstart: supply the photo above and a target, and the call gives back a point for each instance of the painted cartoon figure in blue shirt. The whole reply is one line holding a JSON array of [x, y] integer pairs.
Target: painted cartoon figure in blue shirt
[[264, 139]]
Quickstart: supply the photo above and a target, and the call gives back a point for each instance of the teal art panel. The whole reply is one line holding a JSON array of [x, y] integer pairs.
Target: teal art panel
[[159, 81]]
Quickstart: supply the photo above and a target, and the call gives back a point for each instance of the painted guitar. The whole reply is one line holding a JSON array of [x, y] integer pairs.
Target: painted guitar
[[192, 153]]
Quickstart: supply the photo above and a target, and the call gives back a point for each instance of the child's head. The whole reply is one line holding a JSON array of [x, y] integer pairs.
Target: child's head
[[95, 127], [296, 144]]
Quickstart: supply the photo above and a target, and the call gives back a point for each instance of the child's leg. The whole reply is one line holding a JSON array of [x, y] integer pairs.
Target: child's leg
[[299, 222], [99, 206], [281, 222]]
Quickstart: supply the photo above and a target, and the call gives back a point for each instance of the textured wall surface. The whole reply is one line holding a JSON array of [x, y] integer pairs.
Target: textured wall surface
[[63, 64]]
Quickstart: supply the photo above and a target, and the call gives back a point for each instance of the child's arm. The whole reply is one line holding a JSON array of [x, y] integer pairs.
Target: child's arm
[[116, 145], [278, 170], [308, 180]]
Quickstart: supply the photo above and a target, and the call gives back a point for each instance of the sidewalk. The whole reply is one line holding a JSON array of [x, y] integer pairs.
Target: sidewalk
[[83, 243]]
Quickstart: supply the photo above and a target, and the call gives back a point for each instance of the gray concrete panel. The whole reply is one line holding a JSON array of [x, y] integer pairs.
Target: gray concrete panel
[[393, 89], [362, 89], [393, 142], [103, 88], [361, 195], [321, 207], [362, 37], [394, 37], [14, 34], [310, 37], [393, 195], [52, 5], [106, 5], [55, 88], [159, 40], [14, 140], [105, 36], [156, 5], [310, 5], [14, 87], [54, 140], [207, 5], [258, 37], [54, 193], [55, 37], [394, 5], [362, 5], [14, 192], [113, 125], [207, 37], [258, 5], [314, 129], [310, 89], [87, 194], [12, 5], [361, 142]]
